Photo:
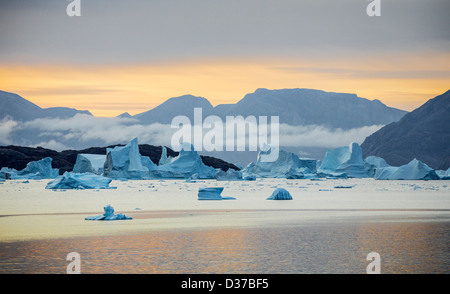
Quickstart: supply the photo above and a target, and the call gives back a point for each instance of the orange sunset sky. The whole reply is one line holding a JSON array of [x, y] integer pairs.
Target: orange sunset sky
[[129, 57]]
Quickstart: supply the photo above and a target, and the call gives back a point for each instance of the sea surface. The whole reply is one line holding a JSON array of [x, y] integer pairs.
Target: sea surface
[[325, 228], [404, 248]]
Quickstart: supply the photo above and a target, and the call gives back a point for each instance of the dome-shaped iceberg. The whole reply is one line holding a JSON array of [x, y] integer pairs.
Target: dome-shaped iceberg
[[280, 194]]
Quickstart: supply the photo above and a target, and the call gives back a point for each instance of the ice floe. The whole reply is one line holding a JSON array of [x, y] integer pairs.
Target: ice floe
[[70, 180]]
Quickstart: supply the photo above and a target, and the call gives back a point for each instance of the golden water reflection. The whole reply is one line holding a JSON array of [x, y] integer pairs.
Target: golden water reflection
[[331, 248]]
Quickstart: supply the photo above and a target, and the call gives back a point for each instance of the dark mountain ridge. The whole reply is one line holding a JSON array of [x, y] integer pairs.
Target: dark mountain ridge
[[423, 134]]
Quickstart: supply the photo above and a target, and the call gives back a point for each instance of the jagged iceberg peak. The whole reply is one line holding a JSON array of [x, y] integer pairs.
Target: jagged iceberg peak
[[287, 165], [108, 215], [35, 170], [126, 162], [280, 194], [187, 163], [346, 160], [89, 163], [164, 158], [414, 170]]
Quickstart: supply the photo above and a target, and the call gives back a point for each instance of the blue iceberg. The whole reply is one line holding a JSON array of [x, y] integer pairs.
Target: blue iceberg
[[212, 193], [108, 215], [229, 175], [70, 180], [280, 194], [89, 163], [164, 159], [35, 170], [125, 162], [343, 161], [6, 172], [414, 170], [372, 163], [444, 175], [187, 163], [287, 165]]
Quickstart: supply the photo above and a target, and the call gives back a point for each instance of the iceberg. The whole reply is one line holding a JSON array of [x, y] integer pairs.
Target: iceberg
[[288, 165], [280, 194], [187, 163], [229, 175], [372, 163], [35, 170], [164, 158], [148, 163], [70, 180], [89, 163], [108, 215], [344, 160], [6, 172], [444, 175], [212, 193], [414, 170], [125, 162]]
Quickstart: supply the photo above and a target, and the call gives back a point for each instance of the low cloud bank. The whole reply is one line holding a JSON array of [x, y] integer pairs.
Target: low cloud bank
[[83, 131]]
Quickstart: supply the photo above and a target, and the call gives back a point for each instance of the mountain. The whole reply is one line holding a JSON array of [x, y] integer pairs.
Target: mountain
[[313, 107], [17, 156], [293, 106], [20, 109], [183, 105], [423, 134]]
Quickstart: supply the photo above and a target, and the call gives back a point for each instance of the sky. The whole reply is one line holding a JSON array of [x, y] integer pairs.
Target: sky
[[130, 56]]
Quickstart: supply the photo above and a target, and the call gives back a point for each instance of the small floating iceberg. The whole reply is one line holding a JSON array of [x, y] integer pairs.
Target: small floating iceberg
[[108, 215], [280, 194], [344, 187], [212, 193], [70, 180]]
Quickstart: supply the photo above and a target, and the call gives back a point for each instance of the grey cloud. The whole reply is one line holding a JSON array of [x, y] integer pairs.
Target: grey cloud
[[146, 31], [83, 131]]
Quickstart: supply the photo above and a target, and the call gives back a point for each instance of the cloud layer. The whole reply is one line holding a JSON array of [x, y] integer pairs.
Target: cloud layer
[[83, 131]]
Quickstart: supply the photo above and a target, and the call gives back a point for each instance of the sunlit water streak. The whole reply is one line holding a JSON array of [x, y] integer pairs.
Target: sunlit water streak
[[326, 248]]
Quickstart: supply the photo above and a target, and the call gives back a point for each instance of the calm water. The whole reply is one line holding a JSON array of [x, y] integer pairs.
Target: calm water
[[336, 248]]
